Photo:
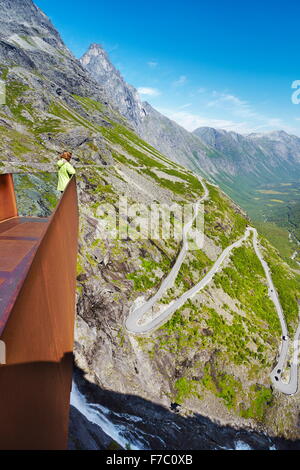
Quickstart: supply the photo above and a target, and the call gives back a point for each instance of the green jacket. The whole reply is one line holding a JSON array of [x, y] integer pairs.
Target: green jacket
[[66, 170]]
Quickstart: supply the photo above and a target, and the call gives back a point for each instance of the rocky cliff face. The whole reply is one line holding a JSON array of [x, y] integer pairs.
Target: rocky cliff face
[[124, 97], [258, 155], [164, 134], [262, 174], [43, 80], [214, 356], [279, 144]]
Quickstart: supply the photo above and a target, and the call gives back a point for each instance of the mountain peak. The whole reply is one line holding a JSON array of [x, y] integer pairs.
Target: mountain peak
[[96, 45], [22, 17], [123, 96], [95, 50], [279, 135]]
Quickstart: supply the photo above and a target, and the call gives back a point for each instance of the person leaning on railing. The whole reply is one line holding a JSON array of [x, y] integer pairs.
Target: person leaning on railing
[[65, 171]]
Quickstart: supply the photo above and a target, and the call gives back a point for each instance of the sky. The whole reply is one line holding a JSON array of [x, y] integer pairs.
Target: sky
[[226, 63]]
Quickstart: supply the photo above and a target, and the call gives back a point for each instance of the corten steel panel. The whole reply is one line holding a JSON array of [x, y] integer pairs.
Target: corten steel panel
[[16, 256], [35, 405], [7, 225], [12, 252], [26, 229], [36, 382], [8, 205]]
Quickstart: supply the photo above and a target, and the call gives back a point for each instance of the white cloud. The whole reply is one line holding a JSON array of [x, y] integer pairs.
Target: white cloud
[[181, 81], [148, 91], [226, 102], [232, 103], [187, 105], [152, 64], [112, 48], [191, 121], [241, 109], [223, 111]]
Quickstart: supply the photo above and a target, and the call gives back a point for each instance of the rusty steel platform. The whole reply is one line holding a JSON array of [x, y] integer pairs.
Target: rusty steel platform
[[37, 313], [19, 240], [8, 203]]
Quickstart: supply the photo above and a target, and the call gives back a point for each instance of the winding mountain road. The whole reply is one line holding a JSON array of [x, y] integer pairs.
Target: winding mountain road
[[138, 323], [291, 387]]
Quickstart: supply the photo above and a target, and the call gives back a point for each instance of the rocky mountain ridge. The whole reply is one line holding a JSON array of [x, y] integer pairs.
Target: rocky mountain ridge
[[248, 153], [124, 97], [158, 130]]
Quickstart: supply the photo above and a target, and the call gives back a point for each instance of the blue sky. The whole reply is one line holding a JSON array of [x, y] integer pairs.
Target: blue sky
[[228, 64]]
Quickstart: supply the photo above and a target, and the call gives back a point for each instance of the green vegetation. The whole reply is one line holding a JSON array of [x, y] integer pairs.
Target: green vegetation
[[31, 188], [4, 72], [145, 278], [191, 272], [251, 404], [62, 111], [223, 221], [249, 339], [185, 388], [223, 385], [89, 105], [244, 281], [202, 327], [287, 284], [48, 126], [274, 220], [19, 148], [218, 344], [127, 141], [189, 187], [261, 399], [14, 90], [19, 103], [279, 237]]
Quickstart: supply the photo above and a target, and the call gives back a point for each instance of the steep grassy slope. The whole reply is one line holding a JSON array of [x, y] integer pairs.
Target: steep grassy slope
[[272, 206], [214, 355]]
